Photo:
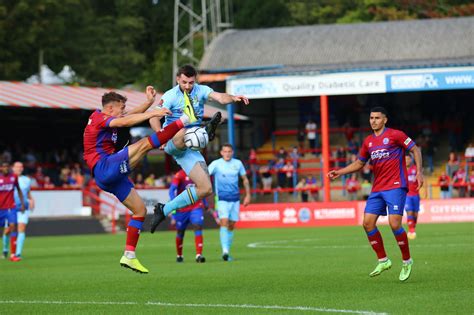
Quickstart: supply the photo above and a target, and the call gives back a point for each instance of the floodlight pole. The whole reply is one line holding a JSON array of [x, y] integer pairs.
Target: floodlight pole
[[325, 146]]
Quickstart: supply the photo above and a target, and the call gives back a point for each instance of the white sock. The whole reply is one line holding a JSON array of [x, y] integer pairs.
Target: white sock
[[129, 254]]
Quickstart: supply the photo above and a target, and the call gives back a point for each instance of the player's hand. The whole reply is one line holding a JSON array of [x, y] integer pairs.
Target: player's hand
[[333, 174], [241, 98], [150, 94], [420, 179], [22, 208], [31, 201], [161, 112], [246, 200]]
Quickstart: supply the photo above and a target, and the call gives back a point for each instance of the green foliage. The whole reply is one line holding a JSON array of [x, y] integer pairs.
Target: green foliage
[[117, 42]]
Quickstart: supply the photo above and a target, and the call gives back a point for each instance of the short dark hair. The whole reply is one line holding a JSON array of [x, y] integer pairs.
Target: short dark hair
[[187, 70], [228, 145], [112, 97], [379, 109]]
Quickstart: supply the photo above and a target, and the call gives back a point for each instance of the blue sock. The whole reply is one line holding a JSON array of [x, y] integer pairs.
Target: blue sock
[[230, 235], [224, 239], [19, 243], [185, 198], [6, 243]]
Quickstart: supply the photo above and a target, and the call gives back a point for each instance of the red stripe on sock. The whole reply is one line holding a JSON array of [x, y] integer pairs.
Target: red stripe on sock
[[411, 225], [376, 242], [198, 241], [402, 241]]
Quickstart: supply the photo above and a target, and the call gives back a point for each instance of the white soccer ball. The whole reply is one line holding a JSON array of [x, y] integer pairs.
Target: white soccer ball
[[196, 138]]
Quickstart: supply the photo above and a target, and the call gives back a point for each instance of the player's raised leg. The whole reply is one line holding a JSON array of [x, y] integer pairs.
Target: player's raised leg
[[376, 241], [402, 241], [136, 205]]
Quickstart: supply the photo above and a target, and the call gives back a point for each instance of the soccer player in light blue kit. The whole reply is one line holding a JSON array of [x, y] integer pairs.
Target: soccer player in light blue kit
[[226, 172], [189, 97]]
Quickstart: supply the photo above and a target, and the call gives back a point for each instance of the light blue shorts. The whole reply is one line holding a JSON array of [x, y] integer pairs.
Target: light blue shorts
[[186, 158], [23, 217], [228, 210]]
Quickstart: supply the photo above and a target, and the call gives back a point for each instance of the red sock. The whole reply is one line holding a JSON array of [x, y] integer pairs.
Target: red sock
[[13, 244], [133, 233], [179, 245], [411, 225], [162, 136], [376, 241], [198, 241], [402, 241]]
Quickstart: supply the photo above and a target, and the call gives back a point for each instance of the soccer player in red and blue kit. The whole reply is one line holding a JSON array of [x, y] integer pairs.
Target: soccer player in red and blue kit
[[193, 214], [8, 212], [385, 149], [412, 204], [110, 169]]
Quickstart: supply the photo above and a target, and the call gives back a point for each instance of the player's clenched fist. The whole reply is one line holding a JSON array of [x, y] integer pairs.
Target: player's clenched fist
[[150, 93], [333, 174]]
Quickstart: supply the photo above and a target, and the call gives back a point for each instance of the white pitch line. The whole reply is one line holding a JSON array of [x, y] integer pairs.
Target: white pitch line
[[238, 306]]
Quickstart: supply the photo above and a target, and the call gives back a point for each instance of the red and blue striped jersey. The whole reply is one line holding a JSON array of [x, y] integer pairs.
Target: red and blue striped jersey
[[7, 190], [386, 153], [99, 138]]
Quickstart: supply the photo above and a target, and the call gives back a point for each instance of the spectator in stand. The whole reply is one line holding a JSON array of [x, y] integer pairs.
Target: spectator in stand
[[282, 154], [76, 180], [459, 182], [471, 184], [294, 156], [453, 164], [48, 184], [300, 188], [301, 137], [289, 170], [266, 176], [353, 186], [312, 183], [367, 172], [469, 153], [39, 176], [150, 180], [366, 188], [281, 176], [253, 160], [443, 182], [139, 181], [352, 147], [311, 134]]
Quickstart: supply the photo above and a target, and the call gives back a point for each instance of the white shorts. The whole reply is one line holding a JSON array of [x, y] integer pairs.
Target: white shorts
[[23, 217], [228, 210]]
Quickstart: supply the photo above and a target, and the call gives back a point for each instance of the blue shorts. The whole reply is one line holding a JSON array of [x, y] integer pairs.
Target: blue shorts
[[23, 217], [183, 218], [228, 210], [7, 217], [412, 203], [111, 174], [186, 158], [393, 199]]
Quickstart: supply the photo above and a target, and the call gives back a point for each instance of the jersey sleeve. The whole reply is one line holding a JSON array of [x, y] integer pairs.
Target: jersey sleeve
[[242, 171], [103, 121], [403, 140], [204, 92], [212, 168], [364, 152], [167, 100]]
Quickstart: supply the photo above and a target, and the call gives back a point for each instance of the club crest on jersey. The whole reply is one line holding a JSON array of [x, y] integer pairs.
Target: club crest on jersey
[[385, 140], [370, 144], [379, 154], [114, 136]]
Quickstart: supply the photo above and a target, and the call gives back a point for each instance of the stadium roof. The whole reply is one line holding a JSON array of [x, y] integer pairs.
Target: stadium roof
[[343, 47], [72, 97]]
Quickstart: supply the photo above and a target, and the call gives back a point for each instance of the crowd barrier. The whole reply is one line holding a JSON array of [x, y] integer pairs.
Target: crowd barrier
[[270, 215]]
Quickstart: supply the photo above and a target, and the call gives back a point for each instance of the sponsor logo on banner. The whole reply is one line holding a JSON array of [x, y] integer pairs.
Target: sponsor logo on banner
[[266, 215], [289, 216], [334, 213], [414, 81], [304, 214]]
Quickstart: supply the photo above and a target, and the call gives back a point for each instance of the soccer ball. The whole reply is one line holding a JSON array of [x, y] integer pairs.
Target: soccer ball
[[196, 138]]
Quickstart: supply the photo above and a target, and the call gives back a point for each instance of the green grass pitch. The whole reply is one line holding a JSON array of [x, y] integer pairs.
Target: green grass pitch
[[282, 271]]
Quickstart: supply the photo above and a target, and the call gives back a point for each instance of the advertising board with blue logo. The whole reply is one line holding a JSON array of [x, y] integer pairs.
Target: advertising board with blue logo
[[426, 81]]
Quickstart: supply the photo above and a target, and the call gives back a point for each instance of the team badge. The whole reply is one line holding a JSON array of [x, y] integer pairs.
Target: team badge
[[385, 140], [370, 144]]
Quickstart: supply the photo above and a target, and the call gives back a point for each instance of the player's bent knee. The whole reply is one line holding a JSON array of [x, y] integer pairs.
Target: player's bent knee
[[368, 226]]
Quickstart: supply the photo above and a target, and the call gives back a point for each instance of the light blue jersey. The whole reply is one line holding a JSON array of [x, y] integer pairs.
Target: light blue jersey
[[174, 100], [226, 178], [25, 186]]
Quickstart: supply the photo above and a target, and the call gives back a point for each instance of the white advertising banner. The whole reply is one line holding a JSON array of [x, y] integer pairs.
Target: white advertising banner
[[58, 203], [294, 86], [150, 196]]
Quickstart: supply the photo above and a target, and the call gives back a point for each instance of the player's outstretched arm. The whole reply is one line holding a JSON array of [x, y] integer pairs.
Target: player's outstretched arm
[[134, 119], [351, 168], [225, 98], [150, 99], [419, 165]]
